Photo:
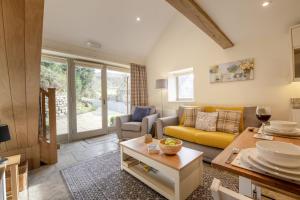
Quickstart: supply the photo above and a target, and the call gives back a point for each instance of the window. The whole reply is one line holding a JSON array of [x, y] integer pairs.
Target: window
[[181, 85]]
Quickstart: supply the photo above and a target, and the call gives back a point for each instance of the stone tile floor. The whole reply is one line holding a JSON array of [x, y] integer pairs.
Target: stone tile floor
[[47, 183]]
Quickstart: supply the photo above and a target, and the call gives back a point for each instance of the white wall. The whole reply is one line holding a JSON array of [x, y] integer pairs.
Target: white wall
[[184, 45]]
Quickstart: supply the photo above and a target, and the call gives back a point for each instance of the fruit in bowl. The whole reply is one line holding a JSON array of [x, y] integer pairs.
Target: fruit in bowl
[[170, 146], [170, 141]]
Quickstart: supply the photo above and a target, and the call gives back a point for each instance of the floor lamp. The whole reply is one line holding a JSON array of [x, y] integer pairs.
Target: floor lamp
[[161, 84]]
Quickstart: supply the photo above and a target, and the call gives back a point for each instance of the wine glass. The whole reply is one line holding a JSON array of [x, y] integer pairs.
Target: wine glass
[[263, 114]]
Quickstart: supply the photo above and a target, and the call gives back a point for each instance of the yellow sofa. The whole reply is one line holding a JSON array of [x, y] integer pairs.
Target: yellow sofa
[[213, 139], [211, 143]]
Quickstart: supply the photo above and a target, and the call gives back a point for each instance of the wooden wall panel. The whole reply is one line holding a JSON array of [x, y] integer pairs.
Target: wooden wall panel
[[33, 156], [6, 113], [33, 44], [14, 28], [20, 54]]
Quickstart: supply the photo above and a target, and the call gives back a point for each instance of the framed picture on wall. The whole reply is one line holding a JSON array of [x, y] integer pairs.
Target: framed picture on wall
[[240, 70]]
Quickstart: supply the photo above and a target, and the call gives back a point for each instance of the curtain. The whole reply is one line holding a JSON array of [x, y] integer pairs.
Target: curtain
[[139, 92]]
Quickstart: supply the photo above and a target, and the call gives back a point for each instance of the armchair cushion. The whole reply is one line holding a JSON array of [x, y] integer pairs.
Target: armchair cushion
[[152, 109], [131, 126], [140, 113]]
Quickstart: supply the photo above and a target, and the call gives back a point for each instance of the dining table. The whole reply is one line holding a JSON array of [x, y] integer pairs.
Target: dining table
[[251, 182]]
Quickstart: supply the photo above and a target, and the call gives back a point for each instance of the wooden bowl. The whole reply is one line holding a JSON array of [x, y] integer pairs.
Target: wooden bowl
[[170, 149]]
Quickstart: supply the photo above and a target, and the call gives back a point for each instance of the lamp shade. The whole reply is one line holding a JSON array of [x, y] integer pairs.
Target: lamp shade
[[161, 84], [4, 133]]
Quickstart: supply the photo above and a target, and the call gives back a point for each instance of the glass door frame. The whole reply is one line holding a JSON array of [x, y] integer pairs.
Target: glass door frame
[[61, 136], [73, 133]]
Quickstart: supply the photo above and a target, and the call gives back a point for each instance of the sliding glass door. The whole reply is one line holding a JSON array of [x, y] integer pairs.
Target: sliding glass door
[[88, 95], [88, 81]]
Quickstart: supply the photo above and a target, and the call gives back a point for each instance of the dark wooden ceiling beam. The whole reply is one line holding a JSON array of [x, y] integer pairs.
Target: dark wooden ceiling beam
[[193, 11]]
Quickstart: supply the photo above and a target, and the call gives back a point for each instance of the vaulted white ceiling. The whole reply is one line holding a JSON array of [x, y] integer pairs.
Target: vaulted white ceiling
[[244, 20], [112, 23]]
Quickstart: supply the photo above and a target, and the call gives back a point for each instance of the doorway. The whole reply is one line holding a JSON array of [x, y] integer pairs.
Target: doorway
[[88, 96]]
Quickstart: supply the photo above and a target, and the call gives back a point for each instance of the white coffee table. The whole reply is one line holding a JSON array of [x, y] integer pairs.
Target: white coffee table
[[177, 176]]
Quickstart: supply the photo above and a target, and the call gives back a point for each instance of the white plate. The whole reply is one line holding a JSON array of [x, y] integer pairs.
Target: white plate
[[279, 153], [272, 130], [268, 132], [283, 125], [260, 161], [296, 130], [264, 170], [282, 135]]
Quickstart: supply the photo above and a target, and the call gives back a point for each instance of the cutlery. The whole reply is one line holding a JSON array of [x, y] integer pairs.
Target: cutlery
[[231, 156]]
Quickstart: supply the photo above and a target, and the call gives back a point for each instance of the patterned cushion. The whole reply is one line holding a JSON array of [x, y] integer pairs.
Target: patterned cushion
[[206, 121], [230, 108], [229, 121], [190, 115]]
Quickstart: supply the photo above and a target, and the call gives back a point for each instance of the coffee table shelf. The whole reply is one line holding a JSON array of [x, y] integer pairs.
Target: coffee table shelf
[[176, 177], [157, 181]]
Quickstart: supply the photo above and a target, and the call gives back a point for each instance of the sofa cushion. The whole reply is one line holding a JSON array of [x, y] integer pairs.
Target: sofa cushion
[[206, 121], [215, 108], [140, 113], [181, 115], [213, 139], [131, 126], [180, 112], [229, 121], [189, 116]]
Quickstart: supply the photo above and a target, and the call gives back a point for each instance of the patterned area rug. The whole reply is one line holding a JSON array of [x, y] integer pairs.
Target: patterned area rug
[[102, 178]]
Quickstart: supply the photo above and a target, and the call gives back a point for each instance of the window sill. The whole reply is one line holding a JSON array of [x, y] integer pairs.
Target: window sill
[[182, 101]]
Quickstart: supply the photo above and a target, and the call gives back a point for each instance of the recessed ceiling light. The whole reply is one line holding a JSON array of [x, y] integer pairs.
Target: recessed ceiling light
[[138, 19], [93, 44], [266, 3]]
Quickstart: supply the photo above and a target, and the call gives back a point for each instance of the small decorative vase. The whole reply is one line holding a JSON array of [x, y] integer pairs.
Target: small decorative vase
[[148, 138]]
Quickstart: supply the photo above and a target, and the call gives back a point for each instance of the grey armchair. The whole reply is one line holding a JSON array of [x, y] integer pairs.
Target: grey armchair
[[127, 129]]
